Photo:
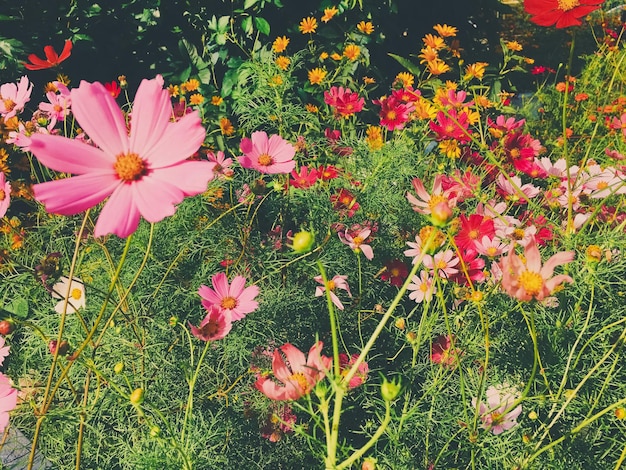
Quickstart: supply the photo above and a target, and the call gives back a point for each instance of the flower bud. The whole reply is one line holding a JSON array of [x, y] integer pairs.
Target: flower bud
[[441, 214], [620, 413], [119, 368], [63, 347], [6, 327], [369, 464], [390, 390], [155, 431], [136, 398], [303, 241]]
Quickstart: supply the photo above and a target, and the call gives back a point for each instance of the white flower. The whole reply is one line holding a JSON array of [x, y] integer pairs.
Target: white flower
[[76, 291]]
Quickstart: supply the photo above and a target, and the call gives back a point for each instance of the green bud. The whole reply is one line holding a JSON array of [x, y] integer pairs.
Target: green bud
[[303, 241], [390, 390], [173, 321], [155, 431], [119, 367], [136, 398]]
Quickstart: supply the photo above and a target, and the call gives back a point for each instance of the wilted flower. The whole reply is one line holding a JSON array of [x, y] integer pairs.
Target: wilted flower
[[441, 351], [216, 324], [498, 414]]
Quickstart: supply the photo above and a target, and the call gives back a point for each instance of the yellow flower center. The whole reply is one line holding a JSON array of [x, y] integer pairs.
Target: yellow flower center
[[9, 104], [436, 199], [330, 285], [603, 185], [425, 287], [228, 302], [265, 159], [357, 241], [531, 282], [301, 381], [496, 418], [130, 167], [473, 234], [76, 294], [566, 5], [518, 234], [2, 195], [391, 115]]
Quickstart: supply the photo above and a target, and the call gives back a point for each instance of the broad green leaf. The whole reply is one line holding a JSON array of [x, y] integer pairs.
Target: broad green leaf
[[407, 64], [262, 25], [18, 307], [249, 3]]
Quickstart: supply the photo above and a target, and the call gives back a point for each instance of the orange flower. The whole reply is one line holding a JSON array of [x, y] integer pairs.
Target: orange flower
[[352, 51], [513, 46], [308, 25], [173, 90], [476, 70], [436, 42], [217, 100], [226, 126], [437, 67], [276, 80], [369, 80], [405, 78], [196, 99], [581, 97], [329, 13], [311, 108], [323, 55], [52, 58], [282, 62], [428, 54], [191, 85], [280, 44], [366, 27], [374, 137], [335, 56], [445, 31], [317, 76]]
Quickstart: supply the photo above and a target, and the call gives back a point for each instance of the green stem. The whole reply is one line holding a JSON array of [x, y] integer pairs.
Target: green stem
[[192, 384]]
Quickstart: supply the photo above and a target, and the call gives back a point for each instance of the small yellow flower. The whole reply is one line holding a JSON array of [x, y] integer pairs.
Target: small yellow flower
[[335, 56], [450, 148], [191, 85], [276, 80], [324, 56], [483, 101], [374, 137], [424, 110], [351, 52], [620, 413], [196, 99], [513, 46], [366, 27], [282, 62], [311, 108], [428, 54], [217, 100], [436, 42], [308, 25], [280, 44], [445, 31], [317, 76], [329, 13], [472, 116], [226, 127], [437, 67], [121, 79], [405, 78], [475, 70], [529, 61], [173, 90], [368, 80]]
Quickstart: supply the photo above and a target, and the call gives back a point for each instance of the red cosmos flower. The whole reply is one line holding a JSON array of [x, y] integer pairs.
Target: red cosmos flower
[[113, 88], [452, 125], [441, 351], [395, 272], [393, 113], [345, 201], [344, 101], [303, 179], [52, 58], [561, 13], [327, 172], [473, 229]]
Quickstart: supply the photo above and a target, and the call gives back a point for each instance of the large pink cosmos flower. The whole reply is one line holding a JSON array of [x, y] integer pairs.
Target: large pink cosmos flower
[[13, 97], [267, 154], [528, 280], [233, 298], [298, 376], [216, 324], [8, 401], [5, 194], [144, 172]]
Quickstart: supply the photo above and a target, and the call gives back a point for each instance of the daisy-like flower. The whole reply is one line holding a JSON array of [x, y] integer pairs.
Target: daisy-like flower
[[437, 67], [344, 102], [280, 44], [58, 106], [267, 154], [297, 376], [235, 299], [337, 282], [422, 287], [144, 172], [8, 401], [475, 70], [395, 272], [76, 296], [445, 31], [526, 279], [498, 414], [222, 165], [282, 62], [52, 58], [351, 52], [357, 243], [561, 13], [317, 76], [216, 324], [473, 228], [344, 202], [305, 178], [443, 263], [394, 114], [329, 13], [365, 27], [436, 42], [346, 363], [441, 351], [5, 195], [425, 202], [226, 127], [308, 25], [13, 97]]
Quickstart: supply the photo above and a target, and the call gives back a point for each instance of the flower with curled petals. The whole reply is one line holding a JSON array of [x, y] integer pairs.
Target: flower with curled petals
[[216, 324], [234, 298], [52, 58], [297, 376], [144, 172], [8, 401]]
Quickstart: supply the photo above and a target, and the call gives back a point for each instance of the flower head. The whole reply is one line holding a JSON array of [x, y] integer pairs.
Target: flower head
[[395, 272], [5, 195], [13, 97], [235, 299], [216, 324], [267, 154], [441, 351], [52, 58], [329, 13], [296, 377], [143, 173], [74, 291], [337, 282], [498, 414], [8, 401], [422, 288], [346, 363], [280, 44], [308, 25], [317, 76], [561, 13], [357, 242], [344, 101], [365, 27]]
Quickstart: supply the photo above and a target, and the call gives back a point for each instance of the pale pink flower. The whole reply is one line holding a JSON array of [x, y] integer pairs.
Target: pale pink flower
[[490, 247], [144, 172], [58, 105], [5, 194], [233, 298], [604, 184], [337, 282], [8, 401], [267, 155], [346, 363], [298, 376], [557, 169], [13, 97], [216, 324], [76, 297], [425, 201], [222, 164], [4, 350], [357, 243], [567, 196], [422, 287], [513, 190], [498, 414], [514, 232], [443, 263], [528, 279]]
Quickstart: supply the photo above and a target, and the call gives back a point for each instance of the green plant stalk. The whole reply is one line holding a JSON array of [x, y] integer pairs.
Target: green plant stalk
[[81, 426], [192, 384]]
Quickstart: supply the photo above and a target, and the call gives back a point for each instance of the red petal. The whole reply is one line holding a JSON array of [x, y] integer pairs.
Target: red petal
[[67, 50], [51, 55]]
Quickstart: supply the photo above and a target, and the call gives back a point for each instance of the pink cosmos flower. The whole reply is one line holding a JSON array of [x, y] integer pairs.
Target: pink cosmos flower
[[394, 114], [13, 97], [337, 282], [357, 243], [422, 287], [490, 247], [58, 105], [8, 401], [234, 298], [527, 279], [222, 164], [298, 376], [513, 190], [619, 124], [267, 154], [216, 324], [346, 363], [451, 125], [5, 194], [4, 350], [498, 414], [425, 202], [144, 172], [441, 351], [443, 263], [344, 101]]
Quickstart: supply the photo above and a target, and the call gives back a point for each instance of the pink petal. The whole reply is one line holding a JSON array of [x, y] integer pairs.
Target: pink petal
[[70, 196], [220, 284], [100, 117], [533, 258], [119, 215], [189, 177], [68, 155], [246, 145], [150, 116], [154, 200], [248, 295], [236, 286], [179, 141], [279, 367], [296, 358], [367, 251], [209, 295], [563, 257], [271, 390]]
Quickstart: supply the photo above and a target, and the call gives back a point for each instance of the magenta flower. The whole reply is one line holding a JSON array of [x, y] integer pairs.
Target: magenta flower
[[498, 414], [144, 172], [267, 155], [216, 324], [337, 282], [8, 401], [58, 106], [5, 194], [222, 165], [441, 351], [234, 298], [298, 376], [344, 101], [346, 363], [305, 178], [13, 97]]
